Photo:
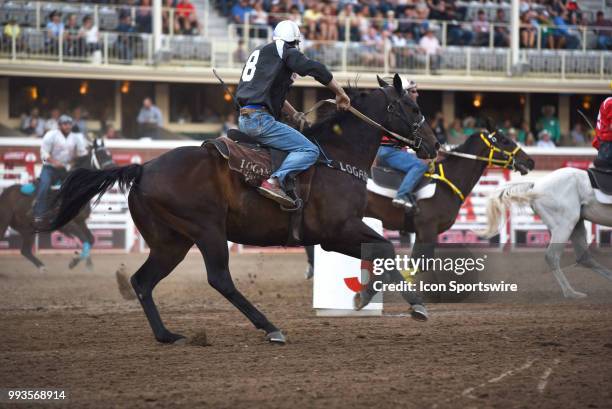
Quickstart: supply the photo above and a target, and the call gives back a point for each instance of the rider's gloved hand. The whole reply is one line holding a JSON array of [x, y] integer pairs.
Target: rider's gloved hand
[[343, 101]]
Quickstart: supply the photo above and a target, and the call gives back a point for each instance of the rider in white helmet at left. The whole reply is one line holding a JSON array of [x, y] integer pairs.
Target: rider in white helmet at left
[[265, 81]]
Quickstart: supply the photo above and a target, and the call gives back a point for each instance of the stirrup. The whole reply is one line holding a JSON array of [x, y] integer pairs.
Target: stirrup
[[297, 206]]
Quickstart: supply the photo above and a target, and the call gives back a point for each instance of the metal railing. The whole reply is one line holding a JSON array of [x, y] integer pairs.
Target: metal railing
[[36, 14]]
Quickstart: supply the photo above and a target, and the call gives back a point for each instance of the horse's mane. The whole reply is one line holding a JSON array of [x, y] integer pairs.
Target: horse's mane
[[331, 117]]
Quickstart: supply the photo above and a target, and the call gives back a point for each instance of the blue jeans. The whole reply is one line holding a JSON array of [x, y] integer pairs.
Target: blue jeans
[[269, 132], [405, 162], [48, 176]]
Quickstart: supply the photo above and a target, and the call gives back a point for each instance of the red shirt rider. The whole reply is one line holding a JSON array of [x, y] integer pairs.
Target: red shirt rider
[[603, 131]]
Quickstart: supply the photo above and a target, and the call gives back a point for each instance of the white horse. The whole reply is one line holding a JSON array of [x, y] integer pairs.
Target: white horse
[[563, 200]]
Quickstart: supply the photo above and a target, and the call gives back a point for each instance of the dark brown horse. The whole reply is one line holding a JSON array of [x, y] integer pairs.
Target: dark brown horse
[[16, 211], [189, 196], [463, 167]]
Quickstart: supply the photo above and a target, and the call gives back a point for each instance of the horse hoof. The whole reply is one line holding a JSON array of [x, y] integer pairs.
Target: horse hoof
[[180, 341], [276, 337], [73, 263], [89, 265], [575, 295], [171, 338], [419, 312], [360, 301], [309, 272], [42, 269]]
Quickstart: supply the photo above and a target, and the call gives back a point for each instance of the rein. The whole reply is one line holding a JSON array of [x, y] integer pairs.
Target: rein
[[491, 161], [370, 121]]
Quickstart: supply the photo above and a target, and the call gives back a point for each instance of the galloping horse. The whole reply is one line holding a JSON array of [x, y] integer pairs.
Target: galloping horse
[[16, 211], [563, 199], [190, 195], [462, 169]]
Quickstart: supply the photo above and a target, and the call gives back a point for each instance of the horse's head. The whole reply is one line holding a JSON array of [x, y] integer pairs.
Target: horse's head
[[404, 117], [100, 157], [503, 151]]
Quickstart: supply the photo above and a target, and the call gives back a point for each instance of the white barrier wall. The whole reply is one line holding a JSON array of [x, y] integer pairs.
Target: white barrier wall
[[331, 294]]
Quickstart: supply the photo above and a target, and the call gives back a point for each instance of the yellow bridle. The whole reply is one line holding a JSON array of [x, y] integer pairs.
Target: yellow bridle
[[491, 161]]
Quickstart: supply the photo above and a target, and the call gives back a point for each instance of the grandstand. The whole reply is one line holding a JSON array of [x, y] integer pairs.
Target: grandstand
[[127, 51]]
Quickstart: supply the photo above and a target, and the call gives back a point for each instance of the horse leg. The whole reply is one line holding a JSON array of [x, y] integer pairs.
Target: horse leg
[[559, 237], [349, 242], [561, 222], [26, 250], [213, 246], [583, 256], [310, 255]]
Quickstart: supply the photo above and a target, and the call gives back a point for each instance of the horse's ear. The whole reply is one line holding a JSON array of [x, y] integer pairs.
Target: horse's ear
[[381, 82], [490, 124], [397, 84], [95, 142]]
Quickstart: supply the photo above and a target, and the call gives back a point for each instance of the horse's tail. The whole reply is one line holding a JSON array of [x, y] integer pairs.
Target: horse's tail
[[82, 185], [517, 193]]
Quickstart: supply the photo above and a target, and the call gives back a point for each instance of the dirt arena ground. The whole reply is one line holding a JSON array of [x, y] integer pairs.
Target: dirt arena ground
[[72, 330]]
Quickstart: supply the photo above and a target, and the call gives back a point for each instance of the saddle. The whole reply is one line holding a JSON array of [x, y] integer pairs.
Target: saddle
[[385, 182], [255, 163], [601, 181]]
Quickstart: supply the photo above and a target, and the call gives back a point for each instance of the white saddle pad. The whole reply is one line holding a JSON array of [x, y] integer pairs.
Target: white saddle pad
[[599, 195], [425, 192]]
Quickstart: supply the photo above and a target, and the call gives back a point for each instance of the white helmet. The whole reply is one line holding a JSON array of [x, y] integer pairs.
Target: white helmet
[[287, 31]]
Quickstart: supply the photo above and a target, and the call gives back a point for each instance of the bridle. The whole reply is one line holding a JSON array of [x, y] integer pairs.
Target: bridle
[[414, 143], [402, 115], [95, 162], [509, 157]]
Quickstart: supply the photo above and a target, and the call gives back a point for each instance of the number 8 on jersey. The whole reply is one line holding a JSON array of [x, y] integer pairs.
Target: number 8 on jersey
[[250, 66]]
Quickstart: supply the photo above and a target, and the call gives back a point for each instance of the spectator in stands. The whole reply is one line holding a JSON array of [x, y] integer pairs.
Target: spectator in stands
[[437, 125], [73, 45], [577, 135], [33, 124], [421, 9], [512, 134], [408, 23], [525, 134], [54, 29], [110, 132], [125, 39], [430, 46], [10, 33], [528, 30], [186, 17], [550, 123], [481, 28], [364, 21], [469, 126], [259, 19], [455, 133], [348, 17], [603, 29], [312, 19], [295, 15], [79, 125], [51, 123], [144, 17], [562, 37], [501, 35], [391, 23], [90, 34], [34, 128], [240, 54], [329, 24], [149, 119], [403, 50], [169, 23], [544, 140], [372, 46], [240, 11], [26, 121]]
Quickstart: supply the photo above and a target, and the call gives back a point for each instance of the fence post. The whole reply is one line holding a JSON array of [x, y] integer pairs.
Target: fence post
[[105, 48], [491, 35], [427, 64], [213, 54], [38, 15], [562, 65], [245, 30], [509, 62], [347, 39], [444, 33], [584, 38], [171, 21], [539, 38], [60, 45], [96, 16], [14, 46], [150, 49], [468, 61], [206, 17], [387, 55], [601, 65]]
